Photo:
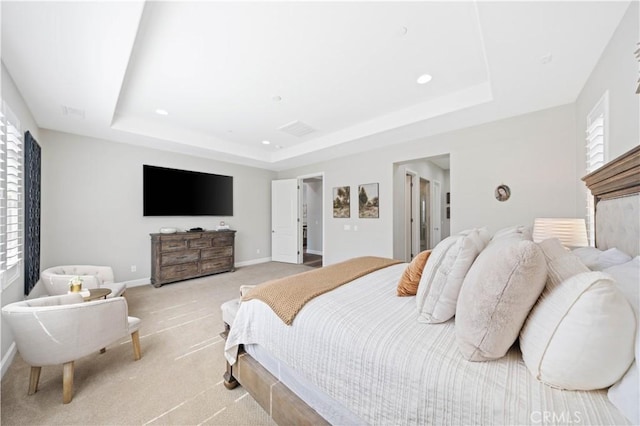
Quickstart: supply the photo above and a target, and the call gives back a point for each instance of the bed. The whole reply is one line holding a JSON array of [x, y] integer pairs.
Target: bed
[[371, 362]]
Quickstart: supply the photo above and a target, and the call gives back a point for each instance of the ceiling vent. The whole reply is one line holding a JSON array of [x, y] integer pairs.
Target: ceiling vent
[[297, 128], [72, 112]]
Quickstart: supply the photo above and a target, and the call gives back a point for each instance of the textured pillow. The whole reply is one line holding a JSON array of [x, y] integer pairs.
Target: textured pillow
[[443, 274], [520, 232], [598, 260], [408, 284], [496, 297], [580, 334]]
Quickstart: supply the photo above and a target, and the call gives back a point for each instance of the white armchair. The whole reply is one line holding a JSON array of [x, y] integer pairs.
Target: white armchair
[[60, 329], [56, 279]]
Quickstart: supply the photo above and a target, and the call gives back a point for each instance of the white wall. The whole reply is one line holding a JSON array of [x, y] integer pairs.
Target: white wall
[[15, 289], [534, 154], [617, 72], [92, 204]]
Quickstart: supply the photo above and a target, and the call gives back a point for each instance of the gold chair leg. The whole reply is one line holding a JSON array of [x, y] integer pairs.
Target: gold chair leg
[[67, 382], [34, 378], [135, 339]]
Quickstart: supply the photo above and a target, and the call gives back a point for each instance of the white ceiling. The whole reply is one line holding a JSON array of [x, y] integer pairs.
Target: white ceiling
[[231, 74]]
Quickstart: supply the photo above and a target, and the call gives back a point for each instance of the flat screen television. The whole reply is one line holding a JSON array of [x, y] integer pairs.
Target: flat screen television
[[173, 192]]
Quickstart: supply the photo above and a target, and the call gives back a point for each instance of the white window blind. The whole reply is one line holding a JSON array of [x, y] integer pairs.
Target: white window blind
[[11, 183], [596, 155]]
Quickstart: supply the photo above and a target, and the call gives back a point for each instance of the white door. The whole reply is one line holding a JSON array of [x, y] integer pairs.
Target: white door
[[436, 220], [284, 220]]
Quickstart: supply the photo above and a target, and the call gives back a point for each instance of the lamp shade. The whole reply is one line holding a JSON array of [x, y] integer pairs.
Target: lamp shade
[[570, 231]]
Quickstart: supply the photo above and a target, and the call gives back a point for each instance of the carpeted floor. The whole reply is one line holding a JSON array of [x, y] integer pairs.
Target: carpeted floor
[[178, 381]]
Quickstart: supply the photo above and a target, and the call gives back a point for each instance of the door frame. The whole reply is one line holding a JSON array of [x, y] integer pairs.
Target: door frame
[[414, 230], [436, 212]]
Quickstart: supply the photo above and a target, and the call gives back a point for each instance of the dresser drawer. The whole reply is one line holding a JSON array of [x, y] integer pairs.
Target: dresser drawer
[[218, 264], [222, 241], [178, 257], [175, 272], [200, 243], [216, 252], [169, 245]]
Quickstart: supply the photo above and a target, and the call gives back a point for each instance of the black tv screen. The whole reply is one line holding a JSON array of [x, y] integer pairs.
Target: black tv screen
[[173, 192]]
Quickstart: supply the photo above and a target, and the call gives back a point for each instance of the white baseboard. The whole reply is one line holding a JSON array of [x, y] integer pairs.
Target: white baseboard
[[138, 282], [7, 359], [253, 262], [318, 252]]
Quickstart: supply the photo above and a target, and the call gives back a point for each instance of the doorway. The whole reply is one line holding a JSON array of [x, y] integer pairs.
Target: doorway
[[297, 220], [411, 200], [312, 221], [425, 214], [419, 222]]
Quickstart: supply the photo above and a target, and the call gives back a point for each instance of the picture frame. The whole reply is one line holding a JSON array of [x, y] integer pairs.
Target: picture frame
[[448, 198], [341, 202], [368, 201], [502, 192]]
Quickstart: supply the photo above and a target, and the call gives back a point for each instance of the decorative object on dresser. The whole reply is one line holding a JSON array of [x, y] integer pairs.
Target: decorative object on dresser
[[184, 255]]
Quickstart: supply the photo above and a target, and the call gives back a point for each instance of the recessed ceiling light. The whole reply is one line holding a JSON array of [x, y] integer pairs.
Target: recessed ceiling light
[[276, 98], [266, 142], [160, 111], [424, 79]]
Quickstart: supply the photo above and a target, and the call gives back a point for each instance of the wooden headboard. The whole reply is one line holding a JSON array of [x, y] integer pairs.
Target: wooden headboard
[[616, 191], [617, 178]]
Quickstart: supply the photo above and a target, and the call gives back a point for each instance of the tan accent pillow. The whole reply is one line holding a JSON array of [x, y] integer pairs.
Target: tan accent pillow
[[408, 284], [497, 294]]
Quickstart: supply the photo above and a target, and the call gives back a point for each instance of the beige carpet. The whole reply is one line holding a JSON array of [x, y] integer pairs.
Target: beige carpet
[[178, 381]]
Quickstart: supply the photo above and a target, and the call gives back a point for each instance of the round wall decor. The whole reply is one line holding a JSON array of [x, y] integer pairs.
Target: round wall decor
[[502, 193]]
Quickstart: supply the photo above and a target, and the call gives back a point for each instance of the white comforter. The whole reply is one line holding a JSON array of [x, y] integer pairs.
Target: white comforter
[[363, 346]]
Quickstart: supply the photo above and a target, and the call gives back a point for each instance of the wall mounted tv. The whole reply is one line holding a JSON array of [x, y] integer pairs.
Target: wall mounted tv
[[173, 192]]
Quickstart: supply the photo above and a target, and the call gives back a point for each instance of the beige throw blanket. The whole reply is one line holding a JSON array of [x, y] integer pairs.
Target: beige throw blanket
[[286, 296]]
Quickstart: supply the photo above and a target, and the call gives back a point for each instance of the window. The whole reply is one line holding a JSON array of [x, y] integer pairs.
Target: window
[[11, 214], [597, 135]]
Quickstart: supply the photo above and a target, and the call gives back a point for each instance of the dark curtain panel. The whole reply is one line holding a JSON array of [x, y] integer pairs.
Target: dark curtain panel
[[32, 158]]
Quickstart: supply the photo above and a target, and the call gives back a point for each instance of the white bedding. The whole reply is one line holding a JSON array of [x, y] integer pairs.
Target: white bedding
[[363, 346]]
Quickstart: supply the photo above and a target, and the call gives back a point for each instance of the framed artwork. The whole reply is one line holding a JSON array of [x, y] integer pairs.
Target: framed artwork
[[341, 202], [502, 193], [448, 198], [368, 205], [448, 213]]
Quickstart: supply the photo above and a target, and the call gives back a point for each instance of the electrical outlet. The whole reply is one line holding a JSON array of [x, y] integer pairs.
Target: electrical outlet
[[258, 251], [134, 268]]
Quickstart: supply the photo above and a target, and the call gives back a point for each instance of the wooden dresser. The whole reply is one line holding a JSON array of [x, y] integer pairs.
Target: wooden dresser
[[185, 255]]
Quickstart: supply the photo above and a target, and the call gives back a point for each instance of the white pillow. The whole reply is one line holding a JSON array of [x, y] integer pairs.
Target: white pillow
[[598, 260], [625, 394], [580, 333], [500, 289], [443, 274], [519, 231]]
